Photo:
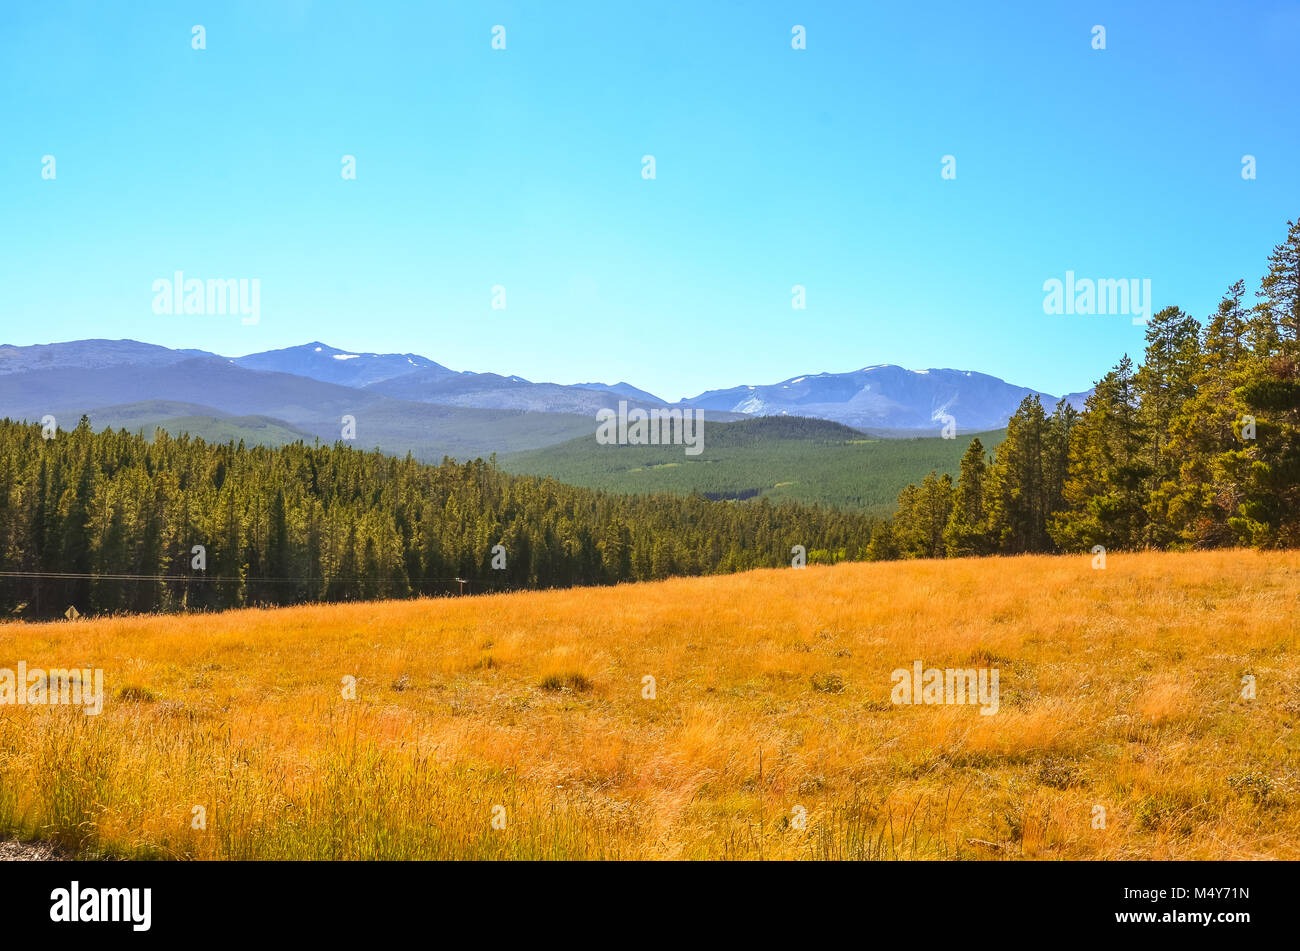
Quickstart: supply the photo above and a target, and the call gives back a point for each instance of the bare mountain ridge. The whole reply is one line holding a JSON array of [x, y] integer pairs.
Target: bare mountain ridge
[[311, 386]]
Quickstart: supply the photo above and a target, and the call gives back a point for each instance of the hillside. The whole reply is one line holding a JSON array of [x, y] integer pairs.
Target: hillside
[[767, 729], [776, 457], [498, 392], [204, 422]]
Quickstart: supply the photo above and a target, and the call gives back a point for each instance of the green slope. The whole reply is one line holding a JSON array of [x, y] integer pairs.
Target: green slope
[[253, 430], [430, 431], [427, 431], [206, 423], [806, 460]]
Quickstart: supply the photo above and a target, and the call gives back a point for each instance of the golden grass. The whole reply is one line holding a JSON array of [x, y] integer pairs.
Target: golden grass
[[1120, 688]]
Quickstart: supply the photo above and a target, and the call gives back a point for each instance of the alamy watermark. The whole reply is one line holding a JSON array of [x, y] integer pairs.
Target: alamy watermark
[[656, 427], [191, 296], [56, 687], [76, 904], [1101, 297], [949, 685]]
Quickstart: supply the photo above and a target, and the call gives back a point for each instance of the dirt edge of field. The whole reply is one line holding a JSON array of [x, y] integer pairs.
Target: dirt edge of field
[[13, 851]]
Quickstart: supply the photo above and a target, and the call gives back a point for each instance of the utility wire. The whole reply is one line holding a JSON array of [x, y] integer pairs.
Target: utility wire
[[88, 576]]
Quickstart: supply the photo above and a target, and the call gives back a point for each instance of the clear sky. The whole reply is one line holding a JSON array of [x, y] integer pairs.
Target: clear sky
[[522, 168]]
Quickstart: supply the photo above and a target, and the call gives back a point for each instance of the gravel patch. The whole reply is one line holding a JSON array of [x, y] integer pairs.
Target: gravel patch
[[11, 851]]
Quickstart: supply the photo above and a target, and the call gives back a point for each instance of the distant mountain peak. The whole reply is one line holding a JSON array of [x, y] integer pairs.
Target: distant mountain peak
[[881, 396], [320, 361], [623, 388]]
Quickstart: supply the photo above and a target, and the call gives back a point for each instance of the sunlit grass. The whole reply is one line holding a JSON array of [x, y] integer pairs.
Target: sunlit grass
[[770, 733]]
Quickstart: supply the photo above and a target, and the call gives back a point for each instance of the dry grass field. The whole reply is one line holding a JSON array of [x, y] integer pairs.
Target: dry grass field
[[771, 733]]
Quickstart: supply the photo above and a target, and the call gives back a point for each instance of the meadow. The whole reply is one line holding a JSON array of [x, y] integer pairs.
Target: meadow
[[523, 725], [812, 461]]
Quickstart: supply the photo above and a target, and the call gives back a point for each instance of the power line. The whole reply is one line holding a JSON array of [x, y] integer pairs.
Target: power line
[[91, 576]]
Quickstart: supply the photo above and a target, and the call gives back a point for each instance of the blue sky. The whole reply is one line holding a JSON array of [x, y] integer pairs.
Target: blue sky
[[522, 168]]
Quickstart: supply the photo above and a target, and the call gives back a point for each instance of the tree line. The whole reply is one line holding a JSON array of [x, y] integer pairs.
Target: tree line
[[111, 522], [1197, 448]]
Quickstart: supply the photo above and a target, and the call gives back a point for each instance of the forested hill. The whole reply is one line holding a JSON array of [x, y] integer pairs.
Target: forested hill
[[110, 521], [811, 461]]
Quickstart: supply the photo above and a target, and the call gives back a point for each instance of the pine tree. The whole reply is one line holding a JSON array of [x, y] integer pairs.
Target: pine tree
[[1105, 493], [75, 543], [967, 530], [1016, 497], [883, 546], [1056, 459], [923, 514], [907, 534], [276, 565], [1164, 384], [1204, 440], [1270, 510]]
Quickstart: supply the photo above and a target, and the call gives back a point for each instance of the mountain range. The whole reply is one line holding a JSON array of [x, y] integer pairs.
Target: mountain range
[[404, 402], [886, 397]]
